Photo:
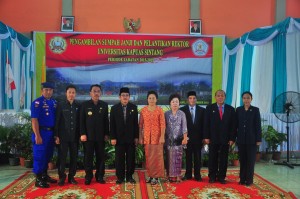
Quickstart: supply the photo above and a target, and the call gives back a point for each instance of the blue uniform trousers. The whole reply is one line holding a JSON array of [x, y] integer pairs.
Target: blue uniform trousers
[[42, 153]]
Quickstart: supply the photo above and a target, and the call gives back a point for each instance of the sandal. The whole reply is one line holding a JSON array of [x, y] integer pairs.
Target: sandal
[[154, 181], [172, 180], [149, 180]]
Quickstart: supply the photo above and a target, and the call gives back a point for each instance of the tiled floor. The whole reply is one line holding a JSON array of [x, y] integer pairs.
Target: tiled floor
[[282, 176]]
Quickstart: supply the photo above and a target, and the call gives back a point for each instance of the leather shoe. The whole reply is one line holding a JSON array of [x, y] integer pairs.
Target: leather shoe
[[87, 182], [222, 181], [242, 182], [61, 182], [72, 181], [131, 180], [186, 178], [41, 184], [211, 180], [198, 179], [100, 180], [248, 184], [47, 178], [119, 181]]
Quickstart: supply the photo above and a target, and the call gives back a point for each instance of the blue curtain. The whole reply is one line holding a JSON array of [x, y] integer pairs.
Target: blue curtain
[[246, 69], [279, 70], [230, 79]]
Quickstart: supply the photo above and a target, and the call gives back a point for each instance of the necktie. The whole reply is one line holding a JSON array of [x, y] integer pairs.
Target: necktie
[[221, 111], [124, 113], [192, 114]]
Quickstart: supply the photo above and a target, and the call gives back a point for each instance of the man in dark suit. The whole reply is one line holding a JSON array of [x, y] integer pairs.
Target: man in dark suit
[[195, 124], [219, 133], [67, 134], [195, 28], [124, 134], [94, 130]]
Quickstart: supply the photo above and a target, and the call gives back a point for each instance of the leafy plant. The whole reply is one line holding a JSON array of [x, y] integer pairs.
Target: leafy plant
[[139, 154], [233, 154], [273, 137], [110, 154]]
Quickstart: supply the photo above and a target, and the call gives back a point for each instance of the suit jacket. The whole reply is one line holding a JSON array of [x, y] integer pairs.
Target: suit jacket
[[248, 125], [195, 130], [94, 120], [217, 130], [124, 132], [67, 121]]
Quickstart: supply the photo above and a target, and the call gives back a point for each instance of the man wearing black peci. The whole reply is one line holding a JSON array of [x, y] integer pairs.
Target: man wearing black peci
[[67, 134], [195, 124], [124, 134], [94, 130]]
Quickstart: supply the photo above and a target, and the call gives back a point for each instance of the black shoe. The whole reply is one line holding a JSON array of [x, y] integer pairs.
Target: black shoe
[[72, 181], [100, 180], [186, 178], [119, 181], [149, 180], [47, 178], [248, 184], [61, 182], [41, 184], [87, 182], [131, 180], [211, 180], [222, 181], [242, 182], [198, 179]]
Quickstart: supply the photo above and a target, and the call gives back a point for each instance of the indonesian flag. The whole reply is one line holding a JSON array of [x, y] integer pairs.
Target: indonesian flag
[[23, 83], [9, 77]]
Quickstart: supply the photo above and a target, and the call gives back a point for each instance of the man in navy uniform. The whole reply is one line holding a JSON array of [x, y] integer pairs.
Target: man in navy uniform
[[67, 134], [43, 111], [94, 130], [124, 133]]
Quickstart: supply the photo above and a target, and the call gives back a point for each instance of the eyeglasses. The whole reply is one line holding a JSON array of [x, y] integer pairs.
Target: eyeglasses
[[125, 95]]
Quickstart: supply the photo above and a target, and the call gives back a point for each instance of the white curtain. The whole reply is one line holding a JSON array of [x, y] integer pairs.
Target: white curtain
[[262, 77]]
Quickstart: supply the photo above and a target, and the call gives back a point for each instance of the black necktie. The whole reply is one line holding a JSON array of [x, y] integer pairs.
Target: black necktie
[[124, 113]]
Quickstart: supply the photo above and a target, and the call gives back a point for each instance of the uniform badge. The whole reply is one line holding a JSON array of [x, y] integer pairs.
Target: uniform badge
[[90, 113]]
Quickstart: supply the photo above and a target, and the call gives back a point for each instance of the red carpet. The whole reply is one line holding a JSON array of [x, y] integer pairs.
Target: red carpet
[[24, 188]]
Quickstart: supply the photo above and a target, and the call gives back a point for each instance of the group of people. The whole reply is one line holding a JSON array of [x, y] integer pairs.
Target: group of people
[[162, 134]]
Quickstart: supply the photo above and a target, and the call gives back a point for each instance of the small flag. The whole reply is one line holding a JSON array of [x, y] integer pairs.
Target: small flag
[[10, 81]]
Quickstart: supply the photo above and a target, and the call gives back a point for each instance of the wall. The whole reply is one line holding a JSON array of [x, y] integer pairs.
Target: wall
[[231, 17]]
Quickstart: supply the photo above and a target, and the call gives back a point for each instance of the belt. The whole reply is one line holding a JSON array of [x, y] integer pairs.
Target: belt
[[46, 128]]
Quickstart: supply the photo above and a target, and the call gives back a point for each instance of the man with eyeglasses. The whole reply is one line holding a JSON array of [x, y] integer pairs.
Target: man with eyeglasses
[[124, 134], [94, 130]]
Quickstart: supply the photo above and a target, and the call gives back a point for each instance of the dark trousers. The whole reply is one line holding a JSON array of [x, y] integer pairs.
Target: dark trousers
[[193, 156], [125, 151], [218, 160], [89, 148], [64, 147], [247, 155]]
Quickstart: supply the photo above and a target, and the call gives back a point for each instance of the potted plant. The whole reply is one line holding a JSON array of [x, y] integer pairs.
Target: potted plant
[[110, 155], [139, 156], [233, 155], [258, 154], [25, 147], [4, 148], [274, 139], [205, 160]]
